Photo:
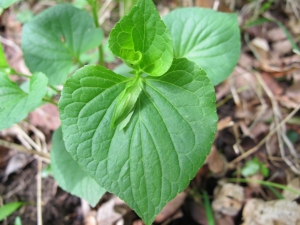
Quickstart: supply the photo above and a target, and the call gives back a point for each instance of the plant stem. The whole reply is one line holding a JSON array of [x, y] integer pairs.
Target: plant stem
[[95, 15], [28, 76], [101, 55], [265, 183], [54, 89], [19, 74], [49, 101]]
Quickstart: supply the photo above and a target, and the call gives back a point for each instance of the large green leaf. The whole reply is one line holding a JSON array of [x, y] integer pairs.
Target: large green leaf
[[69, 175], [210, 39], [165, 143], [15, 104], [6, 3], [55, 38], [142, 40]]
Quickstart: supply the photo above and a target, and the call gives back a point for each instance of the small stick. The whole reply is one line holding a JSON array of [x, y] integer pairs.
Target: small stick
[[39, 191], [20, 148]]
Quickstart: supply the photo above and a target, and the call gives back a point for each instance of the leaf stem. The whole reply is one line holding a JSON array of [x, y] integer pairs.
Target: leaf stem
[[49, 101], [54, 89], [19, 74], [29, 76], [94, 6]]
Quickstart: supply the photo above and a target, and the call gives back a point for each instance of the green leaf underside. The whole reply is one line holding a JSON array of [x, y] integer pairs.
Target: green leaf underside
[[16, 104], [164, 144], [210, 39], [142, 40], [70, 176], [6, 3], [55, 38]]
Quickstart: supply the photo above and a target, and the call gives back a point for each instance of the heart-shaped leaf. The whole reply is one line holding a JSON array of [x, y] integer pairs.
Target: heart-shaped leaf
[[142, 40], [162, 147], [210, 39], [56, 38], [69, 175], [15, 104]]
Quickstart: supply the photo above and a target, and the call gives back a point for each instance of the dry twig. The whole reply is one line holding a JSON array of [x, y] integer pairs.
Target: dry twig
[[272, 132]]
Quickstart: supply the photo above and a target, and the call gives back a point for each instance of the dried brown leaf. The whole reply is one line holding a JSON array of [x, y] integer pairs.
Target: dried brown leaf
[[280, 67], [197, 212], [90, 220], [46, 116], [259, 129], [294, 92], [244, 80], [294, 184], [15, 163], [217, 5], [138, 222], [225, 122], [222, 90], [170, 208], [261, 48], [106, 213], [282, 47], [258, 212], [217, 163], [228, 199], [287, 102], [246, 61], [272, 84], [276, 34], [294, 25], [225, 220]]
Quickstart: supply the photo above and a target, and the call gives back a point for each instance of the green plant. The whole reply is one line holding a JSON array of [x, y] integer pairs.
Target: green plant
[[142, 136], [9, 208], [254, 166]]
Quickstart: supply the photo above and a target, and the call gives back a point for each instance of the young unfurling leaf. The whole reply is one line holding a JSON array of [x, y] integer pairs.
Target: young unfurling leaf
[[126, 103], [142, 40]]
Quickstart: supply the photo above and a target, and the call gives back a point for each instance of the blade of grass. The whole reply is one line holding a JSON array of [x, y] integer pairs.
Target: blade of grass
[[287, 34], [9, 208], [265, 19], [275, 192], [265, 183], [95, 7], [208, 209]]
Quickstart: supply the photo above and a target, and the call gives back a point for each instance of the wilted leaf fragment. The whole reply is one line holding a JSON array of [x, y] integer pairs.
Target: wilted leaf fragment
[[142, 40], [210, 39], [15, 104], [228, 199], [69, 175], [164, 144], [55, 39]]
